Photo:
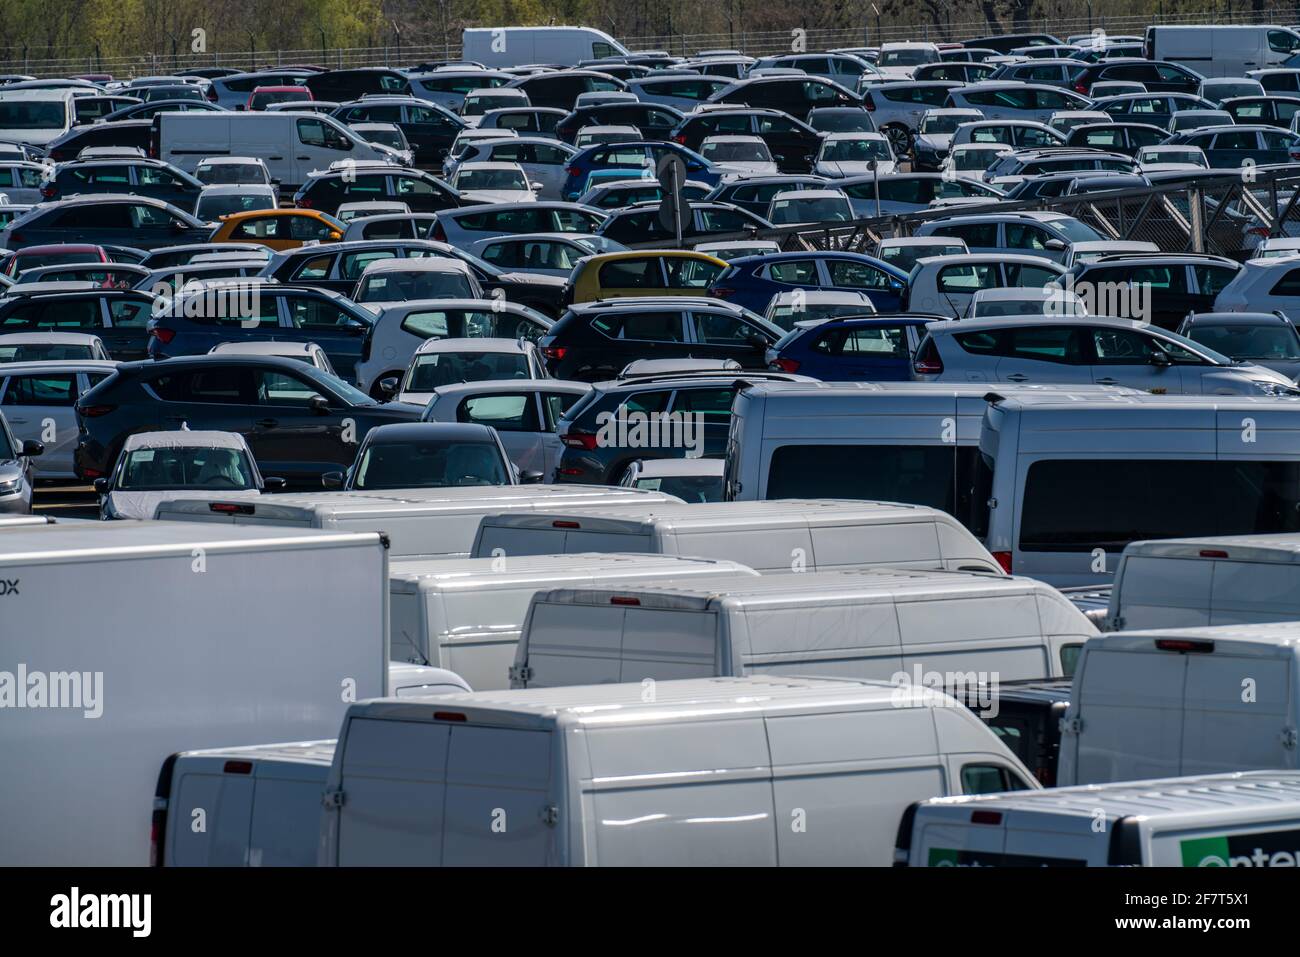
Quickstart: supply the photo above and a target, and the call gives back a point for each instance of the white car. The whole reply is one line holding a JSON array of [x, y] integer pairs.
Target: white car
[[233, 171], [1277, 248], [154, 467], [440, 362], [973, 159], [747, 155], [387, 282], [899, 60], [39, 398], [388, 135], [1090, 250], [595, 135], [306, 352], [905, 251], [1065, 120], [1158, 159], [999, 302], [1263, 285], [495, 183], [854, 154], [51, 346], [944, 285], [792, 207]]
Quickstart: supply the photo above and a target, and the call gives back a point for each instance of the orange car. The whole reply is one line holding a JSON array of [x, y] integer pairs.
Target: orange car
[[278, 228]]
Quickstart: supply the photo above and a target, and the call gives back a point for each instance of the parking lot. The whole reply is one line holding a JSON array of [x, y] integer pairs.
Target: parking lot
[[559, 453]]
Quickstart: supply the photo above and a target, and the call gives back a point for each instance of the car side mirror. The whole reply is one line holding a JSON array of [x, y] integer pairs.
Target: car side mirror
[[535, 187], [32, 448], [332, 480], [1161, 359], [530, 477], [101, 486], [388, 386], [335, 234], [319, 404], [1055, 245], [274, 482]]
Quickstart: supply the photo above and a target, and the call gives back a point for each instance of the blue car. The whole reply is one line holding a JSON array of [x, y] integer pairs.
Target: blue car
[[868, 349], [634, 157], [752, 281]]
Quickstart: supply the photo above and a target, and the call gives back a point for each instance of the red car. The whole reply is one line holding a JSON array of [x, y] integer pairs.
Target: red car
[[31, 257], [264, 96]]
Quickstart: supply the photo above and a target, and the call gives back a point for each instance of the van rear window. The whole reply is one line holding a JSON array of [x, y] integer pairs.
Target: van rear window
[[1078, 505]]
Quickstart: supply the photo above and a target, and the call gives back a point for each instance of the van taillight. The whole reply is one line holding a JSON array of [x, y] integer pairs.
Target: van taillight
[[928, 361], [1184, 646], [986, 817], [231, 508], [564, 524], [238, 767], [579, 440], [449, 716], [1003, 559], [1213, 553], [624, 600]]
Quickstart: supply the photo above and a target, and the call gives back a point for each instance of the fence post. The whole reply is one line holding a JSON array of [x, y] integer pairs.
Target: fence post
[[1196, 205]]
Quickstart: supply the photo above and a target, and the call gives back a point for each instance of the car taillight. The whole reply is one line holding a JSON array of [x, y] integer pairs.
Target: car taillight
[[1081, 88], [680, 138], [570, 471], [439, 234], [211, 94], [1003, 559], [927, 361], [572, 170], [48, 192], [92, 474], [304, 203], [555, 353], [625, 600], [165, 336], [869, 103], [94, 412], [1184, 646], [579, 440], [786, 365], [721, 292]]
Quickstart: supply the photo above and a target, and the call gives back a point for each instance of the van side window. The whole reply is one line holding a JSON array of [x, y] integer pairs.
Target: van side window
[[989, 779]]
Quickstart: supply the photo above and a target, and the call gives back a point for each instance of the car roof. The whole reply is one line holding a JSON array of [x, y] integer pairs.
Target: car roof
[[63, 338], [415, 431], [474, 388], [1238, 319], [185, 438], [478, 344]]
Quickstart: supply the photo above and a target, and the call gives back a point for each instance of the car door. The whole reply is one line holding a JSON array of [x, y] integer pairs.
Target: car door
[[1030, 239], [546, 165], [1128, 357], [517, 416], [719, 335], [269, 231], [40, 406], [1277, 146], [633, 276], [126, 335], [291, 438], [308, 318], [884, 291], [1052, 352], [874, 353], [953, 288]]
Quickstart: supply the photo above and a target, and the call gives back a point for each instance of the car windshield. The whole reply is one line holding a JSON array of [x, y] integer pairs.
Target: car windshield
[[393, 138], [446, 368], [1222, 91], [689, 488], [943, 123], [1169, 155], [905, 257], [1029, 306], [787, 316], [212, 208], [230, 173], [44, 351], [736, 152], [429, 464], [811, 210], [400, 287], [848, 121], [1243, 341], [491, 179], [913, 57], [856, 151], [973, 159], [155, 470], [33, 115], [480, 104]]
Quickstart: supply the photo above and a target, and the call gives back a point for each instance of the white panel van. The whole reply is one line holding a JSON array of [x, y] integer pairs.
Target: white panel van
[[419, 523], [792, 534], [1186, 582], [1076, 482], [1221, 820], [713, 772], [517, 46], [35, 116], [1222, 49], [466, 614], [292, 145], [1179, 701], [883, 624]]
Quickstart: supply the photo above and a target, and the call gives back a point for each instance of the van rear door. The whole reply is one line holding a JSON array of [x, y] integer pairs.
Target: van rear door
[[1236, 713], [209, 812]]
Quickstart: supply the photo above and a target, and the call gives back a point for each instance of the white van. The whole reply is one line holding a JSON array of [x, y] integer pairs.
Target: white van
[[419, 523], [881, 624], [1075, 481], [291, 144], [1187, 582], [887, 441], [466, 614], [712, 772], [1222, 50], [789, 535], [36, 117], [181, 636], [1220, 820], [558, 46], [1177, 701]]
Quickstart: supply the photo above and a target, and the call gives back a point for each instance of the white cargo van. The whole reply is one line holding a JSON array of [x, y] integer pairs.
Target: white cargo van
[[292, 145], [789, 535], [1074, 482], [36, 117], [711, 772], [420, 523], [1186, 582], [466, 614], [880, 624], [556, 46], [1221, 820], [886, 441], [1178, 701], [1222, 50], [125, 642]]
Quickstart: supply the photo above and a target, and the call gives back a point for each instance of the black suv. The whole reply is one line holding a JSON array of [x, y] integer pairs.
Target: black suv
[[792, 143], [299, 422], [1157, 76], [641, 224], [593, 341], [422, 192], [429, 128], [654, 121], [1178, 283], [339, 86], [120, 317]]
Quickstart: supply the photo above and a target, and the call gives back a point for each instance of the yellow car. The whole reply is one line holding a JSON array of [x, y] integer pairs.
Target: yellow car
[[278, 228], [643, 272]]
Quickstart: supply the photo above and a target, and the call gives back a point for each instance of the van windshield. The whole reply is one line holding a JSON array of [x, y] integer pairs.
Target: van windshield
[[33, 115]]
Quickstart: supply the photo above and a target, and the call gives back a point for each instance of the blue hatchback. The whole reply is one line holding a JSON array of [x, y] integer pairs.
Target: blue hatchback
[[752, 281], [870, 349], [633, 157]]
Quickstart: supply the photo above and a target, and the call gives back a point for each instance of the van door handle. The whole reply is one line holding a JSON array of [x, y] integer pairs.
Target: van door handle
[[267, 423], [275, 157], [300, 157], [1017, 377], [1108, 381]]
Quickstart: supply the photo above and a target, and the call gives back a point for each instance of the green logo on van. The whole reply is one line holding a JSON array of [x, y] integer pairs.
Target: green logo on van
[[943, 857], [1205, 852]]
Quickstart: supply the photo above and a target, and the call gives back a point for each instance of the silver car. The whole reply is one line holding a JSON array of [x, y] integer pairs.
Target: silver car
[[543, 160], [39, 399], [1094, 350], [16, 471]]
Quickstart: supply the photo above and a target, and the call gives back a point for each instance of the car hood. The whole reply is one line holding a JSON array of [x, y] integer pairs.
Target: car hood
[[841, 168], [1289, 369], [500, 195], [534, 278], [143, 505], [10, 469], [1243, 379], [939, 142]]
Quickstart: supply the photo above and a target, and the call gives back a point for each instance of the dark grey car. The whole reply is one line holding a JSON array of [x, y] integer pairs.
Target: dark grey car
[[1269, 339], [107, 219]]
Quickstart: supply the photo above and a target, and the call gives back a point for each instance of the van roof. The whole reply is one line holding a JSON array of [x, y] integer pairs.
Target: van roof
[[1184, 405], [1275, 639], [1211, 793], [320, 753], [804, 588], [1279, 549], [450, 573], [626, 704], [844, 391]]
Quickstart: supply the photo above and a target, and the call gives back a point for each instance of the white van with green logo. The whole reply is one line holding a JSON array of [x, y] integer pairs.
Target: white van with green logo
[[1250, 819]]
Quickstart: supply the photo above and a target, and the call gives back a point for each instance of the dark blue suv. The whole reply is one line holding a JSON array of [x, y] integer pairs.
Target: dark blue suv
[[752, 281], [633, 156], [869, 349]]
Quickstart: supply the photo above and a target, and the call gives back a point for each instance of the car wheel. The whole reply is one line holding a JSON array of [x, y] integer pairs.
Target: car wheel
[[900, 140]]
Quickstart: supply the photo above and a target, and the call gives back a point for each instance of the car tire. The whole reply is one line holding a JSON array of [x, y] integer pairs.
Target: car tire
[[900, 140]]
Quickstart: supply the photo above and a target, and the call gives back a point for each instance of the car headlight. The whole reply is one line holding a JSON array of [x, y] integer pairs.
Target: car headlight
[[11, 486], [1268, 387]]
